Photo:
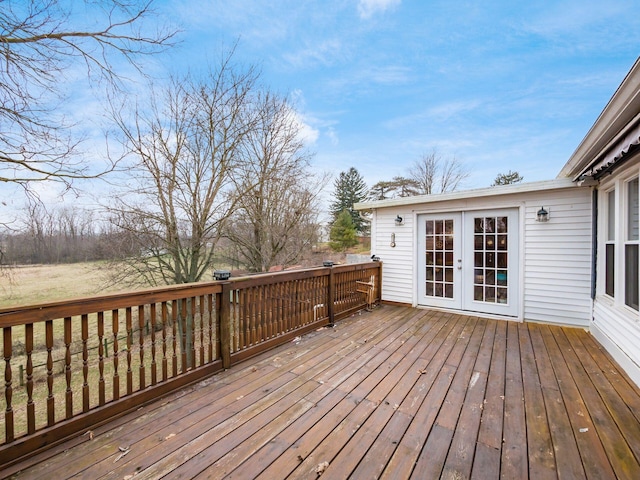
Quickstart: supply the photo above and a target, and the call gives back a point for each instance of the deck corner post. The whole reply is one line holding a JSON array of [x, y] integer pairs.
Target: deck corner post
[[225, 325], [332, 297], [379, 283]]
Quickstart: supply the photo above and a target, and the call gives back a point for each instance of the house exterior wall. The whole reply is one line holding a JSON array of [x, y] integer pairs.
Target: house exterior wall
[[555, 261], [616, 325], [557, 258]]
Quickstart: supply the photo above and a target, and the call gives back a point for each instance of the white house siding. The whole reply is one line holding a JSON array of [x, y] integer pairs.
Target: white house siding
[[556, 256], [398, 271], [619, 331]]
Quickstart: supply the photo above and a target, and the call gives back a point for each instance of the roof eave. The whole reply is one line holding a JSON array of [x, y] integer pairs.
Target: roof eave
[[617, 116], [513, 189]]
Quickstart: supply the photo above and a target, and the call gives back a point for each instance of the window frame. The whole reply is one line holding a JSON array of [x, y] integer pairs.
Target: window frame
[[631, 242], [618, 184]]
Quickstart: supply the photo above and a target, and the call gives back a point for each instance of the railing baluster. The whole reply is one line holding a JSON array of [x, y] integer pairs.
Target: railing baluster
[[244, 329], [84, 319], [192, 331], [141, 370], [50, 397], [224, 322], [116, 377], [219, 317], [183, 340], [67, 368], [279, 294], [31, 406], [203, 310], [262, 327], [174, 334], [154, 366], [210, 310], [101, 353], [268, 313], [250, 308], [165, 319], [129, 328], [8, 389]]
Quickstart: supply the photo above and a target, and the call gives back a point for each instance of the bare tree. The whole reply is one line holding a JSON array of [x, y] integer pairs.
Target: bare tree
[[435, 174], [40, 42], [277, 196], [186, 147]]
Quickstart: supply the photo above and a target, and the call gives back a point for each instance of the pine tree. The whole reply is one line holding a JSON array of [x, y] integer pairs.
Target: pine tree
[[350, 188], [507, 178], [343, 233]]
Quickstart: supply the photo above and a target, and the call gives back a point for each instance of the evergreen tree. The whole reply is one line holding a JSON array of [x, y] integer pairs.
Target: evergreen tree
[[350, 188], [343, 233], [507, 178]]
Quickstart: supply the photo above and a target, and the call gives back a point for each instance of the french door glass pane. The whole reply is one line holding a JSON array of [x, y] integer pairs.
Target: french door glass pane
[[439, 258], [490, 260]]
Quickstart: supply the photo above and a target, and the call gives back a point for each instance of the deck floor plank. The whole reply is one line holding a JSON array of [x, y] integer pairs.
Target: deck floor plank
[[515, 461], [592, 453], [395, 393], [433, 456], [542, 461], [568, 462], [617, 447]]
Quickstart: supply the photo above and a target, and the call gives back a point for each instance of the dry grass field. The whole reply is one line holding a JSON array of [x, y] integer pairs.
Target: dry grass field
[[49, 283], [31, 284]]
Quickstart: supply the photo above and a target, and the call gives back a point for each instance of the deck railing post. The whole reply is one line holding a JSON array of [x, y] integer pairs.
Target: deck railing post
[[225, 325], [379, 283], [332, 297]]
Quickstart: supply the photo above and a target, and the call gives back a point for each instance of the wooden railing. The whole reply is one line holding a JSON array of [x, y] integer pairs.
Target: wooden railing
[[73, 365]]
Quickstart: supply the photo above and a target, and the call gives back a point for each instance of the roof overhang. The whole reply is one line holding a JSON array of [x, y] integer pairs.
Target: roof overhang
[[514, 189], [614, 135]]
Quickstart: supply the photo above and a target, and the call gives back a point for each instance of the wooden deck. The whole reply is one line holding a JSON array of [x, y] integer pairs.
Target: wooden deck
[[394, 393]]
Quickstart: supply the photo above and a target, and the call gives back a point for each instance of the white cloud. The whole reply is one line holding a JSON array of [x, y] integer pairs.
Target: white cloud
[[367, 8], [324, 53], [307, 133]]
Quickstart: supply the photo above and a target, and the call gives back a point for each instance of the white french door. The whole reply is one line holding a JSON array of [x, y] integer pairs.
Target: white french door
[[469, 261], [439, 282]]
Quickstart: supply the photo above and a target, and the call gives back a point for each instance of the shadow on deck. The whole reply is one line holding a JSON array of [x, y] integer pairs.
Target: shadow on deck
[[394, 393]]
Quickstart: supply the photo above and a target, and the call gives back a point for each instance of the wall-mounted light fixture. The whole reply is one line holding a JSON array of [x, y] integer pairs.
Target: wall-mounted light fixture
[[542, 215], [399, 220], [375, 258]]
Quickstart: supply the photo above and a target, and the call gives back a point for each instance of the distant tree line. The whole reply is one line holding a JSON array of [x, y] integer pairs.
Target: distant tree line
[[65, 235]]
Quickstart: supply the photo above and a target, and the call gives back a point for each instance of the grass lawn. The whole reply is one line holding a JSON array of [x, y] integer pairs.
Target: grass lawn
[[31, 284]]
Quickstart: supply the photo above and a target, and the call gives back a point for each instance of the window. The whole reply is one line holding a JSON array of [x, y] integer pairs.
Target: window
[[610, 245], [632, 236]]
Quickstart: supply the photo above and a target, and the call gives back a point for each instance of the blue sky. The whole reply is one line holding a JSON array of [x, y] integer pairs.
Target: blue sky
[[498, 84]]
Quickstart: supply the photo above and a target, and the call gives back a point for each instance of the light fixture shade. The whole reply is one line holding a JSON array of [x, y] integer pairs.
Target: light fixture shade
[[398, 220], [542, 215]]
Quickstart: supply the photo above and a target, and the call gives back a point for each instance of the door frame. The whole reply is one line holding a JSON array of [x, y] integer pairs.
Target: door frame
[[516, 276]]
